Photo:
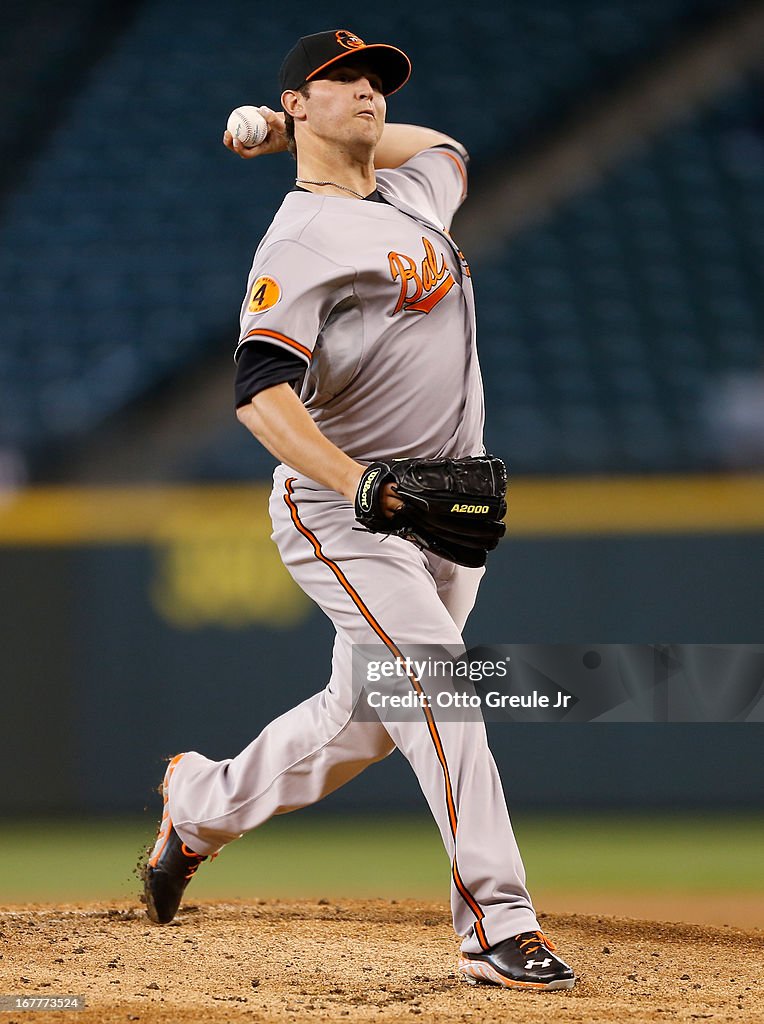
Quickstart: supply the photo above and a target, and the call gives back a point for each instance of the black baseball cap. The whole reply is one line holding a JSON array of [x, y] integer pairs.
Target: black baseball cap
[[313, 54]]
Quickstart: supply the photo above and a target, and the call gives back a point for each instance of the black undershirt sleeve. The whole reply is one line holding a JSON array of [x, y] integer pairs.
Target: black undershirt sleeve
[[262, 365], [456, 149]]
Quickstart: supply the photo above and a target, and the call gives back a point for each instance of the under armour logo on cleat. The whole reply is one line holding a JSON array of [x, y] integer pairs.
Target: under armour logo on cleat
[[537, 963]]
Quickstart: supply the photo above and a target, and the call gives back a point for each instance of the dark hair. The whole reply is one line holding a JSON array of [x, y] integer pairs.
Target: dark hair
[[304, 91]]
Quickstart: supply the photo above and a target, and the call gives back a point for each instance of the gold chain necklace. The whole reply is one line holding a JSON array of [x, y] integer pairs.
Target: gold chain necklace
[[305, 181]]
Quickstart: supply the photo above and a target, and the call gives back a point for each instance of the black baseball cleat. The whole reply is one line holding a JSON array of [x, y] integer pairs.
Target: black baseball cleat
[[171, 864], [526, 961]]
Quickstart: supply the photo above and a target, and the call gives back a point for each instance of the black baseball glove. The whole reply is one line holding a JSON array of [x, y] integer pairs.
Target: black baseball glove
[[452, 507]]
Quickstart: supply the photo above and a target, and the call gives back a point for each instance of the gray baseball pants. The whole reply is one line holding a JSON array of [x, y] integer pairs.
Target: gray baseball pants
[[375, 591]]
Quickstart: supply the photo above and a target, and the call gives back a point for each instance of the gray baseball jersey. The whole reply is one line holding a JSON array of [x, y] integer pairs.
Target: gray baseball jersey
[[377, 300]]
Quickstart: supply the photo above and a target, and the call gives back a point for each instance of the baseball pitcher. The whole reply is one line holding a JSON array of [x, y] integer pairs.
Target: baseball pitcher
[[357, 368]]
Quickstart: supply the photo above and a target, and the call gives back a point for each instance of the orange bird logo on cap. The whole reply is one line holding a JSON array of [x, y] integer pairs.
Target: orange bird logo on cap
[[348, 40]]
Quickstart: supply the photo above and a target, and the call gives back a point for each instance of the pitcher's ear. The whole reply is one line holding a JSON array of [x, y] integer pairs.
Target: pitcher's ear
[[293, 104]]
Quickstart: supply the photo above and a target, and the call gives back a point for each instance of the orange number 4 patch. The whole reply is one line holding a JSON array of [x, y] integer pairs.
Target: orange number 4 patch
[[265, 293]]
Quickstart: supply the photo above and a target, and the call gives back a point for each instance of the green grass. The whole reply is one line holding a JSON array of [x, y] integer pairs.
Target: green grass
[[724, 853], [311, 855]]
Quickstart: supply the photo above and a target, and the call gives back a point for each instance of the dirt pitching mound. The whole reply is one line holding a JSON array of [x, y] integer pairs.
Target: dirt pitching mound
[[362, 960]]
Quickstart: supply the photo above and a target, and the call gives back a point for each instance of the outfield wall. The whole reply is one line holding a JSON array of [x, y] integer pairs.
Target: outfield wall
[[139, 623]]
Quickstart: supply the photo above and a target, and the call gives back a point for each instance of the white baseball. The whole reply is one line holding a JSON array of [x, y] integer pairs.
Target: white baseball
[[247, 125]]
